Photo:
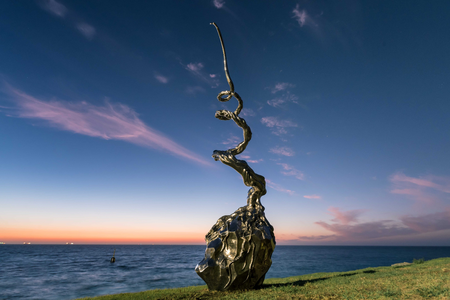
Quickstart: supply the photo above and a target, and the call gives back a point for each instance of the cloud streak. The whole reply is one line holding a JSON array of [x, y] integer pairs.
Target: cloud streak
[[109, 122], [345, 217], [347, 228], [425, 189], [285, 98], [278, 187], [232, 140], [162, 79], [312, 197], [281, 86], [291, 171], [299, 15], [54, 8], [59, 10], [282, 151], [87, 30], [218, 3], [277, 126], [196, 69]]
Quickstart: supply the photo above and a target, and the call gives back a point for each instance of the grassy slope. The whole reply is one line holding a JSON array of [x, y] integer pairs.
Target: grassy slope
[[428, 280]]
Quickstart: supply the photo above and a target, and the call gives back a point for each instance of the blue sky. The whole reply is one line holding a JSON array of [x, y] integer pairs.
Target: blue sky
[[107, 119]]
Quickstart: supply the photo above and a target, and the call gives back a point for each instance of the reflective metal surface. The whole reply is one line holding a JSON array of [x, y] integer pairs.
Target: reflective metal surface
[[240, 245]]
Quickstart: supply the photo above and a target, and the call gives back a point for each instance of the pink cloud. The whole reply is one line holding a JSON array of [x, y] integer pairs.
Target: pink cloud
[[291, 171], [255, 161], [408, 225], [300, 15], [400, 177], [282, 151], [218, 3], [112, 121], [278, 187], [312, 197], [162, 79], [369, 230], [345, 217], [425, 189], [428, 223]]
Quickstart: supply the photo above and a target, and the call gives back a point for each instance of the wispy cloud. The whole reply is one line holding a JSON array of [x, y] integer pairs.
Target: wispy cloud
[[218, 3], [300, 15], [87, 30], [285, 98], [162, 79], [192, 90], [281, 86], [278, 126], [312, 197], [369, 230], [112, 121], [400, 177], [197, 70], [232, 140], [291, 171], [248, 112], [278, 187], [255, 161], [345, 217], [59, 10], [425, 189], [428, 223], [54, 7], [194, 67], [282, 151], [408, 225]]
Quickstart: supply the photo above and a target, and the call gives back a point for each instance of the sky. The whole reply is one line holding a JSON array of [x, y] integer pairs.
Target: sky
[[107, 120]]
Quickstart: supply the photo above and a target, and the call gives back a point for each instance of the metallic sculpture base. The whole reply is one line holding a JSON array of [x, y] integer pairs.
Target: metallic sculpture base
[[239, 250]]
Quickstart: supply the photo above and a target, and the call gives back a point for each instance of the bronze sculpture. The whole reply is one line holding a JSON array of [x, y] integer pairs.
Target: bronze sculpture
[[240, 245]]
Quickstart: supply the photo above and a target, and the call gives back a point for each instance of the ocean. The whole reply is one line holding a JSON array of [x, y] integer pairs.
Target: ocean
[[74, 271]]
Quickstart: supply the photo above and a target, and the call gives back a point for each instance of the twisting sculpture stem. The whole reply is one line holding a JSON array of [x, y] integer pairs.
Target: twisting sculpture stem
[[251, 179]]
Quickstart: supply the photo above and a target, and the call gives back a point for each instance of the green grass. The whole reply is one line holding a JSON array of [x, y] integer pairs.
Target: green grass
[[425, 280]]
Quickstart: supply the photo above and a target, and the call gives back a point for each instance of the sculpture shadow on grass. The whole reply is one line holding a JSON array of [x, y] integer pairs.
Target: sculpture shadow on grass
[[303, 282]]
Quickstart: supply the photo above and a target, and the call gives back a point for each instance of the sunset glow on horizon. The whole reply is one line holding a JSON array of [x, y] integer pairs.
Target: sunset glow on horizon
[[107, 120]]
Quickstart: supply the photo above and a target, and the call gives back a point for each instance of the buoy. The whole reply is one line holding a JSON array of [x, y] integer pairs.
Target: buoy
[[113, 259]]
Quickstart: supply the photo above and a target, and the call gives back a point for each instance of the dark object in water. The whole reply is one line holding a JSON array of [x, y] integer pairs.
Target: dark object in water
[[113, 259]]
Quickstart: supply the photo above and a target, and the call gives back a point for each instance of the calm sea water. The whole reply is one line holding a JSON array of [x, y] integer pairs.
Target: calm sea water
[[74, 271]]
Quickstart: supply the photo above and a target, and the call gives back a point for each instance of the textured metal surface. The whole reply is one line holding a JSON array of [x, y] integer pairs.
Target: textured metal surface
[[240, 245]]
